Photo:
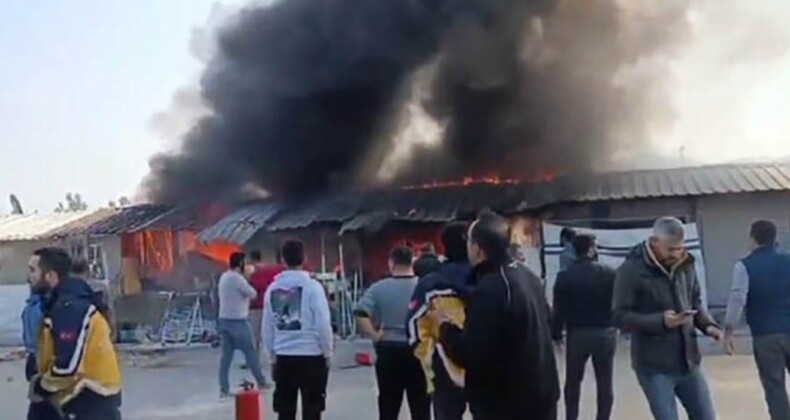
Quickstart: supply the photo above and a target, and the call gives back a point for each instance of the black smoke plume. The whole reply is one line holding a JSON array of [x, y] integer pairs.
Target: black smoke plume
[[305, 95]]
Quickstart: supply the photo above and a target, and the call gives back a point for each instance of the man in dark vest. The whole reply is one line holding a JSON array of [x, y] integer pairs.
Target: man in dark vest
[[761, 285]]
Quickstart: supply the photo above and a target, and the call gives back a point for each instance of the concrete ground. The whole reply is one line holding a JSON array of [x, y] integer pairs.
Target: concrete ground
[[182, 385]]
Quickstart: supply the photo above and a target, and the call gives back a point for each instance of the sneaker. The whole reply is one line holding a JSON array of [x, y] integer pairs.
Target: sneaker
[[225, 395]]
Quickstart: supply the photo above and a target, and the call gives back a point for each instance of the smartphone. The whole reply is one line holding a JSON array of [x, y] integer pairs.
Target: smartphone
[[689, 312]]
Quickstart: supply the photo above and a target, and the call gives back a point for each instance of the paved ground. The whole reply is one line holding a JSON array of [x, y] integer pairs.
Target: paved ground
[[182, 385]]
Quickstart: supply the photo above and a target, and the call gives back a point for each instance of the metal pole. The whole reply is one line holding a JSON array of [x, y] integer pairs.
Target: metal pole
[[340, 290], [323, 253], [192, 318]]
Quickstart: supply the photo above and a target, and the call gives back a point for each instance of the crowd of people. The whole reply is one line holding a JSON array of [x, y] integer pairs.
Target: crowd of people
[[470, 330]]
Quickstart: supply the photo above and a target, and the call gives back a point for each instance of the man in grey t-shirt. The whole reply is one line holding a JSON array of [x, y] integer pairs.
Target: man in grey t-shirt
[[235, 331], [381, 315]]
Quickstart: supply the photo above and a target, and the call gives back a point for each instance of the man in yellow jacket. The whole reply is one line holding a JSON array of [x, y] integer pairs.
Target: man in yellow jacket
[[79, 373]]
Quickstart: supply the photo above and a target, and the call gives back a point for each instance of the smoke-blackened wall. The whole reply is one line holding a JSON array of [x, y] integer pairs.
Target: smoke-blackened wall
[[305, 95]]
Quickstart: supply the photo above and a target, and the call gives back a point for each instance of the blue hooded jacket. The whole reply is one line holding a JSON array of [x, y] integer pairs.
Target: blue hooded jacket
[[32, 319]]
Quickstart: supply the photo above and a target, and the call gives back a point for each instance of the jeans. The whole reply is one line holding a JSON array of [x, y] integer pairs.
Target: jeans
[[583, 344], [690, 388], [237, 335], [772, 355], [307, 375], [399, 371]]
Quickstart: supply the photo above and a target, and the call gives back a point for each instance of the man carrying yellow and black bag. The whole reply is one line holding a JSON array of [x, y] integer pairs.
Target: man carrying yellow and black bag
[[443, 288], [79, 373]]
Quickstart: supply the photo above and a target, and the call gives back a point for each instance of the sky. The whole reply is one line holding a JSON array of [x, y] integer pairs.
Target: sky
[[79, 83]]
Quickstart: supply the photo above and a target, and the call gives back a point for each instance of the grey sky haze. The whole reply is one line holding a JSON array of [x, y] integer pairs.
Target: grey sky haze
[[79, 82]]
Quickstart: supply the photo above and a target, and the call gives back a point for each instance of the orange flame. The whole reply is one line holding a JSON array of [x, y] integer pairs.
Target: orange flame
[[485, 180]]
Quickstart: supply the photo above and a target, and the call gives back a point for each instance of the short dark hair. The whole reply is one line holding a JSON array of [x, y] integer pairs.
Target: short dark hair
[[236, 260], [454, 241], [763, 232], [54, 259], [292, 251], [79, 267], [401, 255], [255, 255], [491, 232], [582, 244], [566, 235]]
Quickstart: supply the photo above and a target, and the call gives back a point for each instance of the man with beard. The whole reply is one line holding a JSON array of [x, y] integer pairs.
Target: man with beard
[[657, 298], [79, 373], [235, 294], [32, 321], [444, 287], [505, 344]]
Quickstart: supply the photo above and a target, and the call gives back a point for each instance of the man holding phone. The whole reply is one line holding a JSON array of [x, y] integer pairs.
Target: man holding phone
[[657, 298]]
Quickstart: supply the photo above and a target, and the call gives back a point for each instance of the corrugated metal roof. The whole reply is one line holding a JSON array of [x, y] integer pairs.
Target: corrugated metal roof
[[679, 182], [26, 227], [182, 218], [241, 225], [367, 221], [357, 209], [127, 219], [330, 207], [81, 225]]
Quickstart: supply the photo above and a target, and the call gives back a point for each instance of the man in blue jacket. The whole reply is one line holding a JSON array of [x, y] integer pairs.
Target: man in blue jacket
[[450, 278], [32, 320], [761, 285]]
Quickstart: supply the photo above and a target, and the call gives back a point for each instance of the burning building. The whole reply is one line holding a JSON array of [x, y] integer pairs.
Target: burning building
[[395, 116], [360, 227], [367, 124]]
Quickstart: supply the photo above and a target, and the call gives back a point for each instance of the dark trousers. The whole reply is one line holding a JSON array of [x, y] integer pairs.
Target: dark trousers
[[42, 411], [449, 402], [398, 371], [772, 355], [90, 406], [305, 375], [583, 344], [503, 411], [96, 413]]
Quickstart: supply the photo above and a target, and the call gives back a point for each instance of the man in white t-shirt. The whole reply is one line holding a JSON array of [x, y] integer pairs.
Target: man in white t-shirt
[[297, 336]]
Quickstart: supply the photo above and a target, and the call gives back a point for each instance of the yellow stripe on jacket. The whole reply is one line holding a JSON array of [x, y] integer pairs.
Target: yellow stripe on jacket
[[427, 335], [93, 364]]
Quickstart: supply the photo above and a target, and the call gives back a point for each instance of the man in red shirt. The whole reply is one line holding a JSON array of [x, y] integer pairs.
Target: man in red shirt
[[262, 276]]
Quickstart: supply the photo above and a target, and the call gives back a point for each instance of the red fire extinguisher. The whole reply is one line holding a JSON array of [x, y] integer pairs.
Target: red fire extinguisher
[[248, 403]]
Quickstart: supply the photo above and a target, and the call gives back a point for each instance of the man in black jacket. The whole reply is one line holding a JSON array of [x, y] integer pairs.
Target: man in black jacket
[[583, 306], [505, 345], [657, 298]]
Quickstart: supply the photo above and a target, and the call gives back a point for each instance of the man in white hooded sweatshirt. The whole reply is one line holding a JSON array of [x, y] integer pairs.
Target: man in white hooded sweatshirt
[[297, 336]]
